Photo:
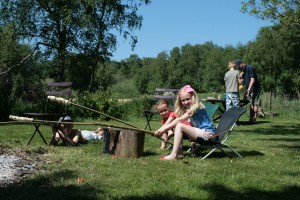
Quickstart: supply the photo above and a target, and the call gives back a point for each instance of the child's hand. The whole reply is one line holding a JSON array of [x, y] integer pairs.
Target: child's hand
[[159, 132], [166, 139]]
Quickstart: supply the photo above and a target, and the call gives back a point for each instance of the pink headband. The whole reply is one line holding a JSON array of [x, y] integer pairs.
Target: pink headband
[[188, 89]]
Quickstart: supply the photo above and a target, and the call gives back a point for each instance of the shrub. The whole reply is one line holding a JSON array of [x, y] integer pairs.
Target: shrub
[[19, 107], [101, 102], [125, 89], [138, 105]]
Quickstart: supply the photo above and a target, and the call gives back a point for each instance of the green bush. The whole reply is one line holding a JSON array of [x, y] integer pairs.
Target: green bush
[[136, 106], [125, 90], [19, 107], [100, 101]]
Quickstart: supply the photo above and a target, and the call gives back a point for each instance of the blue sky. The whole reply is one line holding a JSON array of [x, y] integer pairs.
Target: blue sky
[[174, 23]]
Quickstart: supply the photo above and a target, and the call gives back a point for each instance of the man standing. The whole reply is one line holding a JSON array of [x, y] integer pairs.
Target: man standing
[[252, 87]]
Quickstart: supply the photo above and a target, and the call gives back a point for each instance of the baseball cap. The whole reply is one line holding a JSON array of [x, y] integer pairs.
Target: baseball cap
[[65, 119], [238, 62]]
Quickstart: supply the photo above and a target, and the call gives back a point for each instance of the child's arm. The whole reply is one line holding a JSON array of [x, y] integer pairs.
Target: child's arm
[[65, 137], [171, 125]]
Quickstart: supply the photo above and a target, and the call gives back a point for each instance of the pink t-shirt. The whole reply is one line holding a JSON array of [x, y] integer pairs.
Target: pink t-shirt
[[173, 115]]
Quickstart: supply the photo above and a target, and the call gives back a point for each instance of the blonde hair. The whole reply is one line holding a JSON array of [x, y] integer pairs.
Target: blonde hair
[[195, 102], [232, 62]]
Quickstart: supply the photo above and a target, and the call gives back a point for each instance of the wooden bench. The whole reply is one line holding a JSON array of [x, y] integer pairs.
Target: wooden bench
[[160, 93]]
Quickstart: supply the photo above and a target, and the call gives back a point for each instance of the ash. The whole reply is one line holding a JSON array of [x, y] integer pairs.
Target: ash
[[15, 167]]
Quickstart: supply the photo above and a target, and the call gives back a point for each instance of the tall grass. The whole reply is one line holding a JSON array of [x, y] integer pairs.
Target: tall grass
[[285, 107]]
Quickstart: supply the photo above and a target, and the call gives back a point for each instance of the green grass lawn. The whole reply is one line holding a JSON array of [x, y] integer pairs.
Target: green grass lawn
[[270, 168]]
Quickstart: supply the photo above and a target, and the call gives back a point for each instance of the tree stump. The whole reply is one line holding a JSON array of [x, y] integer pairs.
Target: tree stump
[[123, 143]]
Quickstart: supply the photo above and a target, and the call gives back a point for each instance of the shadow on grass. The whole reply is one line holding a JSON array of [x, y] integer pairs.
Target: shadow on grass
[[228, 154], [44, 188], [288, 146], [156, 197], [285, 129], [221, 192], [149, 153], [247, 123]]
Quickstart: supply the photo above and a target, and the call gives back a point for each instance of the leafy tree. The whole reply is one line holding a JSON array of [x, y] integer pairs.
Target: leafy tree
[[175, 57], [276, 49], [144, 76], [275, 56], [190, 65], [160, 72], [78, 26], [20, 74], [286, 12]]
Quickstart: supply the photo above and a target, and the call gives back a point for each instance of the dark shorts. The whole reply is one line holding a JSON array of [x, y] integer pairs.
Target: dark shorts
[[254, 98]]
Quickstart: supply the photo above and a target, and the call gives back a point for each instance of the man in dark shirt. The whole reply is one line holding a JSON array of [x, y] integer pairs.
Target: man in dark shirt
[[252, 87]]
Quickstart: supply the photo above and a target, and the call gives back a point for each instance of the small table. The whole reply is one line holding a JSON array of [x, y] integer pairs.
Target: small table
[[222, 108]]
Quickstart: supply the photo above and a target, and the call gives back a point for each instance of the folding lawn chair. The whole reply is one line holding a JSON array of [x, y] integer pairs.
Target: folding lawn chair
[[223, 131]]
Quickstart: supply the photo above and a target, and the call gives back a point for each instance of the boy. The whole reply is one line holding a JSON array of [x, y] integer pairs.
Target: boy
[[231, 79]]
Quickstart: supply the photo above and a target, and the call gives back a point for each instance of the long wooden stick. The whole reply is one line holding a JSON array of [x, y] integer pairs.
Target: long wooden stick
[[68, 102], [31, 120]]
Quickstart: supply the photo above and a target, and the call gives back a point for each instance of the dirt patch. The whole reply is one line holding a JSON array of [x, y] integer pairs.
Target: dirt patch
[[17, 164]]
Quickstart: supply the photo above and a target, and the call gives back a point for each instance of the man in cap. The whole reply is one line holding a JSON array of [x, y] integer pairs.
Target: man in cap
[[252, 87]]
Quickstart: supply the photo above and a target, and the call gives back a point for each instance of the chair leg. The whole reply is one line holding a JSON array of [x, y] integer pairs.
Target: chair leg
[[209, 153], [37, 130], [148, 118], [239, 155], [148, 125]]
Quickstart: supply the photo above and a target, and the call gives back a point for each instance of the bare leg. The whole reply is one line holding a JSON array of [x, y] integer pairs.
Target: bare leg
[[163, 144], [255, 111], [178, 135]]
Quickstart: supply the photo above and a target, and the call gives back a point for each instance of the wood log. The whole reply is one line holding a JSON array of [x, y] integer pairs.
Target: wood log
[[123, 143]]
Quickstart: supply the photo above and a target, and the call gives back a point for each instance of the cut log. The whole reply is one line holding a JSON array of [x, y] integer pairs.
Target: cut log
[[123, 143]]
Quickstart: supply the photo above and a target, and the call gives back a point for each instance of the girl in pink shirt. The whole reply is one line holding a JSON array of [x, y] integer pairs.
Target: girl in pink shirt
[[163, 108]]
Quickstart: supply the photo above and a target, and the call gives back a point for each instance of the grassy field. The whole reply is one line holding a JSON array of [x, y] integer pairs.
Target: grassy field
[[270, 168]]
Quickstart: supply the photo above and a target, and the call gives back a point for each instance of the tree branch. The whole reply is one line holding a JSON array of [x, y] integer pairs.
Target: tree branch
[[22, 61]]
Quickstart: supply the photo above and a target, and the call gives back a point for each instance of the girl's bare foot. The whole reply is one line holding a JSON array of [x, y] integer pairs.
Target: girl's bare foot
[[169, 157]]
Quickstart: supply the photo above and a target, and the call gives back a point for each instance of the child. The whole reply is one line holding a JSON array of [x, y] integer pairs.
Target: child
[[167, 115], [162, 106], [231, 79], [73, 136], [187, 106]]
